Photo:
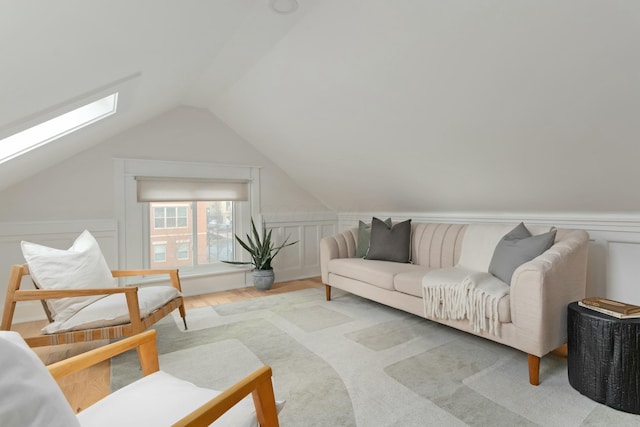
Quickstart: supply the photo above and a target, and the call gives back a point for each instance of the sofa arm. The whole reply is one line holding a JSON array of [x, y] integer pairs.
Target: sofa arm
[[542, 288], [341, 245]]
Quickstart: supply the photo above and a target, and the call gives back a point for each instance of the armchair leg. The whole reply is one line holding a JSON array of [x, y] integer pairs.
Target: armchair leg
[[534, 369], [183, 314], [327, 291]]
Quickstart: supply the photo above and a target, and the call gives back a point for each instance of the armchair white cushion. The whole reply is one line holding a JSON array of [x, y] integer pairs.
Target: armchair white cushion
[[82, 266], [112, 310], [161, 399]]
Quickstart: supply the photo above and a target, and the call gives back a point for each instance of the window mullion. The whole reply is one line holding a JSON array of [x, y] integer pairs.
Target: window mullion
[[194, 233]]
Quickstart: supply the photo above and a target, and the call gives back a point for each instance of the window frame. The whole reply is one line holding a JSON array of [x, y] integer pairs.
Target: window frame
[[54, 128], [189, 250], [165, 217], [133, 217], [158, 244]]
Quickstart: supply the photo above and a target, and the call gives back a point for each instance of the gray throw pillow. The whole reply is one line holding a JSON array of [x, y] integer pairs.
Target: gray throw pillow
[[390, 243], [364, 237], [517, 247]]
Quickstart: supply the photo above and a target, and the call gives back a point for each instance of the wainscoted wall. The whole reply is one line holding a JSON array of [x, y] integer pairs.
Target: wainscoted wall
[[302, 259], [614, 258], [298, 261], [614, 251]]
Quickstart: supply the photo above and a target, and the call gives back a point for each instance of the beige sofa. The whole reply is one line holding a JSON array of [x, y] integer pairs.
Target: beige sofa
[[532, 316]]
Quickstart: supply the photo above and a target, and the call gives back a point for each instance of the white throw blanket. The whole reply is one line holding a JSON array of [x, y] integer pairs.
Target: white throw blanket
[[457, 293], [467, 290]]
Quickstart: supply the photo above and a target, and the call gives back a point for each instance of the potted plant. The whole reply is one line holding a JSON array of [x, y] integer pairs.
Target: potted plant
[[262, 251]]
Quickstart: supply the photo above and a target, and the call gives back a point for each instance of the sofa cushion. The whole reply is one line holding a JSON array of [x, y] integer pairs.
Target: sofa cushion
[[517, 247], [390, 243], [364, 237], [479, 243], [410, 282], [376, 273]]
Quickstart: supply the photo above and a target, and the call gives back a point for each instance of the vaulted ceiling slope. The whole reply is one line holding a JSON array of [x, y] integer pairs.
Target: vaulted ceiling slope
[[369, 105], [56, 54]]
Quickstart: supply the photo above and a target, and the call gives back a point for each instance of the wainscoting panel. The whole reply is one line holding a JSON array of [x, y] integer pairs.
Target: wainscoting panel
[[301, 260], [624, 271], [311, 253]]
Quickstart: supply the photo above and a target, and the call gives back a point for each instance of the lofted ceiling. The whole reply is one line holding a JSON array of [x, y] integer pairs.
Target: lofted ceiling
[[369, 105]]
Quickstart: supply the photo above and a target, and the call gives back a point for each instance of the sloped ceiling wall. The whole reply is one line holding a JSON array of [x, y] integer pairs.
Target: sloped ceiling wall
[[56, 52], [369, 105], [452, 105]]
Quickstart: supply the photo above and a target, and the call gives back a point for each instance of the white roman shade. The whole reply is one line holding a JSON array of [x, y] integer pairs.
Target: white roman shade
[[161, 189]]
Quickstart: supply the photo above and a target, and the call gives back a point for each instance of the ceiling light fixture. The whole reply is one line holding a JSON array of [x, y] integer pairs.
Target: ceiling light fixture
[[284, 7]]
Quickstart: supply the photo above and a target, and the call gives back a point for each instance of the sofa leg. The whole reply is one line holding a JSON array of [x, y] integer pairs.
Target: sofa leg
[[534, 369], [327, 292]]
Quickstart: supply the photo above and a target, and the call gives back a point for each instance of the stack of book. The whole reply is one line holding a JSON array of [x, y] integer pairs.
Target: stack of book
[[617, 309]]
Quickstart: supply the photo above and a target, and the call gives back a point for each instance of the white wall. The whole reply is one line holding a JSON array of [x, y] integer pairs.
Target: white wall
[[82, 186]]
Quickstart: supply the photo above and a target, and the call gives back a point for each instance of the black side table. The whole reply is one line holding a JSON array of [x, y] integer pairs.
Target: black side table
[[604, 357]]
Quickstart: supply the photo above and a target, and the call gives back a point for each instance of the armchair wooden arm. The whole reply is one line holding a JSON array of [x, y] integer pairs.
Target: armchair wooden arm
[[258, 383], [144, 343], [44, 294], [172, 273]]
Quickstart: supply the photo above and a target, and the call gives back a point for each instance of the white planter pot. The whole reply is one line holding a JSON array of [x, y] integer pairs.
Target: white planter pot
[[263, 279]]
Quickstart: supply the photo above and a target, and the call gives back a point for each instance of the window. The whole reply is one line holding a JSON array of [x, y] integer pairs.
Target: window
[[207, 238], [220, 201], [183, 250], [169, 217], [159, 252], [57, 127]]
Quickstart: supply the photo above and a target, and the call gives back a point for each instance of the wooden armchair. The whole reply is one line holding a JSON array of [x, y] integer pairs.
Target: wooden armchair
[[134, 324], [33, 397]]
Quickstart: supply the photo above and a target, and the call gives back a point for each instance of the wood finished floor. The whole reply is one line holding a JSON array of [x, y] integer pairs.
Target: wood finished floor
[[87, 387]]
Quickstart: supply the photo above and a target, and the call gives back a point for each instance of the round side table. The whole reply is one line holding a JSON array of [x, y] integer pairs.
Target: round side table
[[604, 357]]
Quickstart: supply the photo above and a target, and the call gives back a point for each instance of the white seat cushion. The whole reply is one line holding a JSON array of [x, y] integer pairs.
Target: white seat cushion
[[160, 399], [30, 395], [112, 310], [82, 266], [374, 272]]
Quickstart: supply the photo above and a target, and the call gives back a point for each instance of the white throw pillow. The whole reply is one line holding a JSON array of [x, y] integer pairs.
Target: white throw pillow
[[82, 266], [113, 310], [30, 395]]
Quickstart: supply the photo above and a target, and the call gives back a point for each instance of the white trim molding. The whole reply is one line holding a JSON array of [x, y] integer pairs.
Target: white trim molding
[[599, 222]]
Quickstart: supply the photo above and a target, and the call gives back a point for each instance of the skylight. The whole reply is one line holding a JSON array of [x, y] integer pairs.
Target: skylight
[[45, 132]]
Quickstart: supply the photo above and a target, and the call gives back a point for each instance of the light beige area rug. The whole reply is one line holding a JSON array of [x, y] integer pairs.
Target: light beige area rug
[[353, 362]]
